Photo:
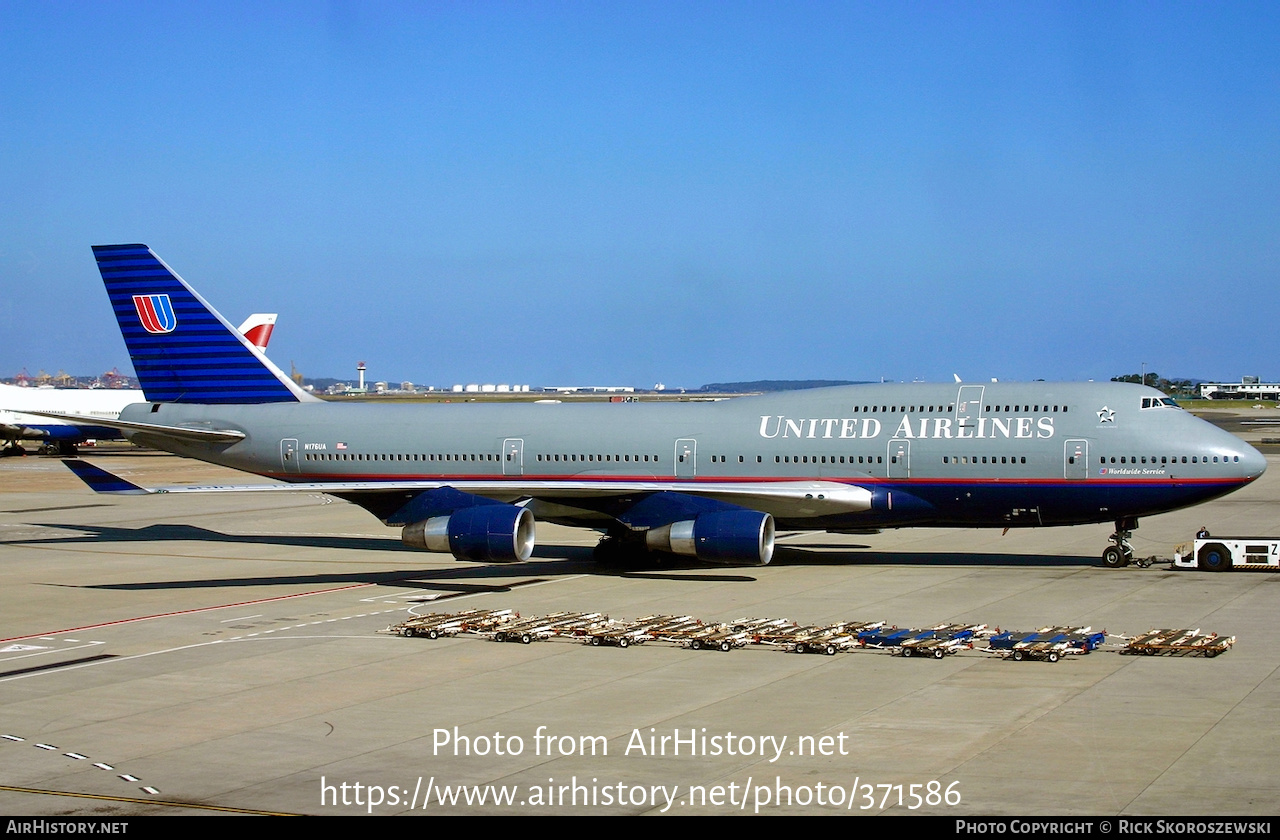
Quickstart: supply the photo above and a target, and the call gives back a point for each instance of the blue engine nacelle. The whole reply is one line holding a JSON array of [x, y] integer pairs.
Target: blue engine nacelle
[[727, 537], [484, 533]]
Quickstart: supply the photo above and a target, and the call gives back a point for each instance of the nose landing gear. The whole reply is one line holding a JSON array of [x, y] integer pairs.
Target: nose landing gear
[[1117, 556]]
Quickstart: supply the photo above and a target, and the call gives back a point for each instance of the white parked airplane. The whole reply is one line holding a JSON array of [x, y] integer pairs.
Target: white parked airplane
[[59, 437]]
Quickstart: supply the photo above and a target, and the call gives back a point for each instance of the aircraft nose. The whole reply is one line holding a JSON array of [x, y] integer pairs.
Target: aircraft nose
[[1252, 462]]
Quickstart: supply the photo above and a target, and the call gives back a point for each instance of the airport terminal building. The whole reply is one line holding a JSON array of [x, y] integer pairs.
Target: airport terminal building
[[1248, 388]]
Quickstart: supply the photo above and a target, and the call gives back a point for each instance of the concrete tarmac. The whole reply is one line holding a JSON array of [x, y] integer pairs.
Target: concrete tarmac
[[220, 654]]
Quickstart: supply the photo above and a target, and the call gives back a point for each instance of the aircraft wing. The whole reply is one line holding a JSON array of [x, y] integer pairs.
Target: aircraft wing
[[786, 498]]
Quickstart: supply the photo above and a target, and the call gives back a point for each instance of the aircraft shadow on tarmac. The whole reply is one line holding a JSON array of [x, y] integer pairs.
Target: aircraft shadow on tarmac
[[191, 533], [845, 554], [550, 561]]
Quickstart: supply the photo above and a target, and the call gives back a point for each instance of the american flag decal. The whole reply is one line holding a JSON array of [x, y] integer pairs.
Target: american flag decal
[[156, 313]]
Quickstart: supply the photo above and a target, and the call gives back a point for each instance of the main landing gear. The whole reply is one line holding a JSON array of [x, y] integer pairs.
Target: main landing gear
[[620, 548], [1117, 556]]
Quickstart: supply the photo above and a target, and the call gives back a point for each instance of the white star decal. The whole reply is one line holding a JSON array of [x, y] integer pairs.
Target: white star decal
[[1106, 415]]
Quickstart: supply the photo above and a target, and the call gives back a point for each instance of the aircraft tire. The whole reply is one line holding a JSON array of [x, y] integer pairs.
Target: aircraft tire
[[1114, 558], [1214, 557]]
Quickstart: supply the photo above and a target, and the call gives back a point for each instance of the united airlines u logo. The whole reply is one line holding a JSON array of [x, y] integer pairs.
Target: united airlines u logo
[[156, 313]]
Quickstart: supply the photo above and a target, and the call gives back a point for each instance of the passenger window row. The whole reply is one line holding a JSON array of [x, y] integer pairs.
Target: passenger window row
[[599, 459], [1163, 459], [383, 456], [984, 459]]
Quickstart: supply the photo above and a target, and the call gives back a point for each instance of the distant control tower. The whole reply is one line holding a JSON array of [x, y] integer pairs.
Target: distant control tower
[[360, 370]]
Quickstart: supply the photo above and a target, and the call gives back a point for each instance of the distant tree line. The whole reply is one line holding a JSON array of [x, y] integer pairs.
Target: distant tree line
[[1172, 387]]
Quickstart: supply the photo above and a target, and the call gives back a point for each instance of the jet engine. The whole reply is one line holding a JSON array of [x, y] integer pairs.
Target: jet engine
[[726, 537], [494, 533]]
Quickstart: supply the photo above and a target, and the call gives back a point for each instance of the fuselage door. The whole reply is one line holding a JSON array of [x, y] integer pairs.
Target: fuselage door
[[968, 408], [899, 458], [513, 456], [289, 455], [686, 458], [1075, 459]]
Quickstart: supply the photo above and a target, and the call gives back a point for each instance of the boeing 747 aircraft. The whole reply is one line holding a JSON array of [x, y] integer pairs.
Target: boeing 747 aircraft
[[706, 480]]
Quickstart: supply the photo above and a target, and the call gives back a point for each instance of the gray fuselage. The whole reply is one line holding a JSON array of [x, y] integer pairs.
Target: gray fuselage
[[955, 455]]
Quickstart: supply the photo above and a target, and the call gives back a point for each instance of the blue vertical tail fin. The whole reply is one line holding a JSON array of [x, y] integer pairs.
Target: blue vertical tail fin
[[183, 351]]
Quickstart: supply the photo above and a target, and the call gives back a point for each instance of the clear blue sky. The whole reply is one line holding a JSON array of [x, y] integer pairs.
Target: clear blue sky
[[631, 193]]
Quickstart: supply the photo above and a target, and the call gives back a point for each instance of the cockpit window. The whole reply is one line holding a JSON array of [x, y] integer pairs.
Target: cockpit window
[[1159, 402]]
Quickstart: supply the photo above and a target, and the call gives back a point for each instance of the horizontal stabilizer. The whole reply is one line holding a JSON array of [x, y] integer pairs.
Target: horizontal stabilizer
[[101, 481], [180, 432]]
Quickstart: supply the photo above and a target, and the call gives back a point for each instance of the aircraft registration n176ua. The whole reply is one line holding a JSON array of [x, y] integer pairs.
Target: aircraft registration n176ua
[[707, 480]]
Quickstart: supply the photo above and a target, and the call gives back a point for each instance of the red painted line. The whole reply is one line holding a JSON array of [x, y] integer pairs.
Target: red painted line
[[185, 612]]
